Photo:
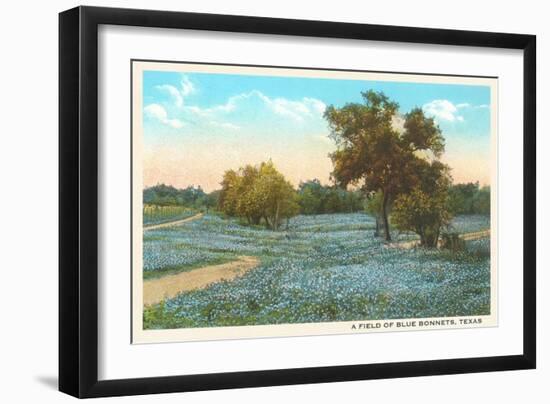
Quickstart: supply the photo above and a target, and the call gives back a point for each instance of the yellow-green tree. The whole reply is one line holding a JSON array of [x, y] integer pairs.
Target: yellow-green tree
[[247, 206], [275, 195], [257, 193], [229, 194]]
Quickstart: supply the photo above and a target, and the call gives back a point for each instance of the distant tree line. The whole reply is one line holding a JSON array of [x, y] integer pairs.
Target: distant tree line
[[470, 198], [240, 197], [315, 198], [191, 197]]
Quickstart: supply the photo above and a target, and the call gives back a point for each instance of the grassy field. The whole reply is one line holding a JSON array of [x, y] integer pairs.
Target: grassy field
[[322, 268], [155, 214]]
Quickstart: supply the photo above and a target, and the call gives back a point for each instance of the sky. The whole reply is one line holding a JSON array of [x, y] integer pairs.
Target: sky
[[198, 125]]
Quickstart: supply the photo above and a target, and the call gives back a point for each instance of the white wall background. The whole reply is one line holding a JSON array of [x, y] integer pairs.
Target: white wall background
[[28, 206]]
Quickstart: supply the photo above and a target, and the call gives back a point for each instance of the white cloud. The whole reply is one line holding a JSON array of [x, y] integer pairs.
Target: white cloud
[[158, 112], [178, 94], [398, 123], [444, 110], [199, 112], [174, 93], [187, 86], [317, 105], [463, 105], [295, 110], [238, 107]]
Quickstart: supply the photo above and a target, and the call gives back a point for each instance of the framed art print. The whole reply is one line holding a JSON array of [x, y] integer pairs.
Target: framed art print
[[249, 201]]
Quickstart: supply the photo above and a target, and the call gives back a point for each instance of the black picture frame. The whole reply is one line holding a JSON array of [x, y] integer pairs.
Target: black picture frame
[[78, 200]]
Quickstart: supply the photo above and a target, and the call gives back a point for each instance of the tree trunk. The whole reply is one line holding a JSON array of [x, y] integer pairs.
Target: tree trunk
[[428, 238], [385, 216], [276, 222]]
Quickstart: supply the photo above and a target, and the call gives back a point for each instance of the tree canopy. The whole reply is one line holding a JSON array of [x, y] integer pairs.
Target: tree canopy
[[256, 193], [424, 210], [377, 153]]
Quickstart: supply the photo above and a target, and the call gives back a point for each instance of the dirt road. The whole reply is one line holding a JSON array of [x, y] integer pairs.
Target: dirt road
[[156, 290], [174, 223]]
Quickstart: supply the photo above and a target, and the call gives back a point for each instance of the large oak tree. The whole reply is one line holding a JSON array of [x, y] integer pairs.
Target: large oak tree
[[379, 150]]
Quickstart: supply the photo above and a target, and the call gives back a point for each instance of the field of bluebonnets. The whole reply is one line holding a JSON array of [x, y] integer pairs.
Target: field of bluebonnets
[[320, 268]]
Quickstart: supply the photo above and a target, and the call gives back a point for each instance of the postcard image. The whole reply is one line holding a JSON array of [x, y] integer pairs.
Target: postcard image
[[276, 201]]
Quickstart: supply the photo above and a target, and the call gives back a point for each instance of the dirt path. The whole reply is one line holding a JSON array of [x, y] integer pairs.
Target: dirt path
[[476, 235], [174, 223], [156, 290]]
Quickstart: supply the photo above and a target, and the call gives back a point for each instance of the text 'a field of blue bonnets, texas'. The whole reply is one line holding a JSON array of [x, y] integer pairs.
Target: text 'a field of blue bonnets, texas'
[[274, 202]]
